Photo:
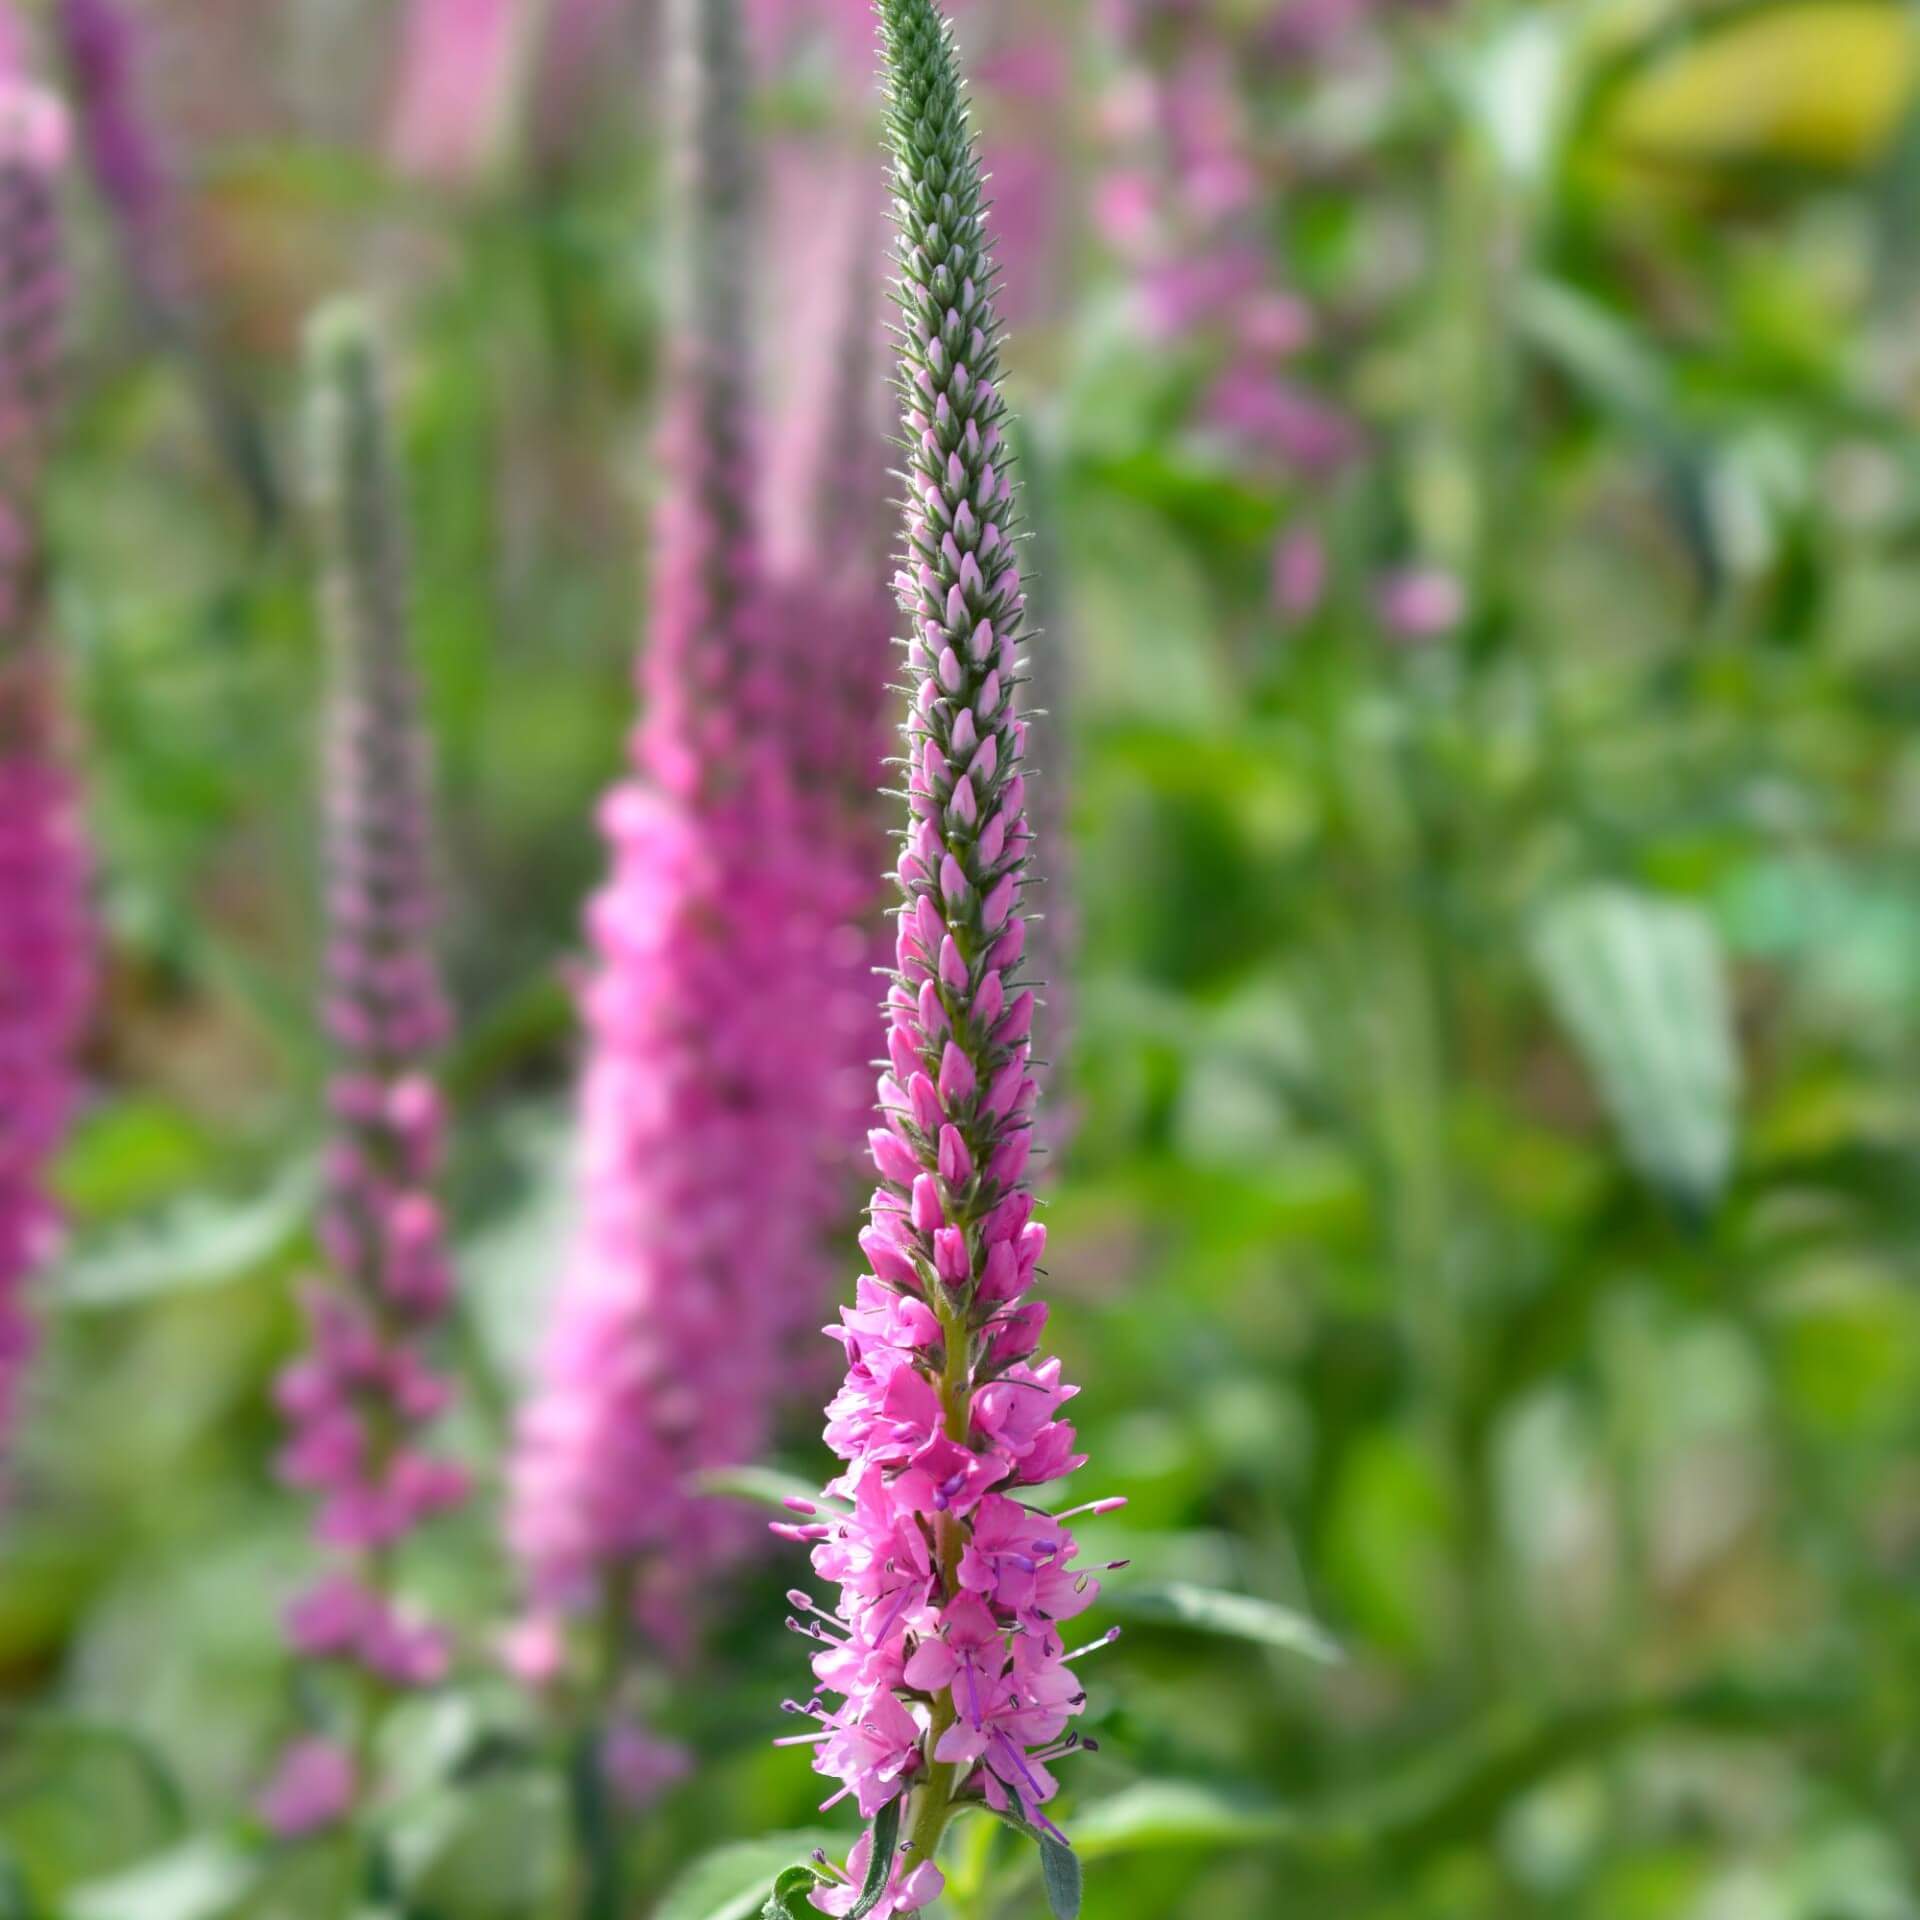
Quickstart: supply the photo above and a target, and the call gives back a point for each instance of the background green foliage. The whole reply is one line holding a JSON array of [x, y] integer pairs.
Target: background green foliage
[[1490, 1232]]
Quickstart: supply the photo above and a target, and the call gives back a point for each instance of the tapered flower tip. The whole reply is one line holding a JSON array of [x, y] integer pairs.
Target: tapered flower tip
[[34, 130]]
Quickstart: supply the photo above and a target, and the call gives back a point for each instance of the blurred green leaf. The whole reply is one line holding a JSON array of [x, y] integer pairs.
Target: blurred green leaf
[[731, 1882], [189, 1247], [53, 1741], [1640, 985], [493, 1848], [1233, 1616], [1177, 1813], [204, 1880]]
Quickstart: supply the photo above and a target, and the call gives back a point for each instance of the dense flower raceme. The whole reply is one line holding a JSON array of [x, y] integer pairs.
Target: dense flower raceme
[[46, 946], [944, 1659], [725, 948], [360, 1404]]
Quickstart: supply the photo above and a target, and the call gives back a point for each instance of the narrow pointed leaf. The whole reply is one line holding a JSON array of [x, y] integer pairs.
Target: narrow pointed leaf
[[1060, 1872], [886, 1839]]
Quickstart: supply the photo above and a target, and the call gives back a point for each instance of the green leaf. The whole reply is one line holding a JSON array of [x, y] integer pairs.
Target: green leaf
[[61, 1738], [886, 1839], [1060, 1873], [1640, 985], [792, 1887], [1516, 87], [204, 1880], [731, 1882], [196, 1245], [1597, 351], [1159, 1814], [1233, 1616]]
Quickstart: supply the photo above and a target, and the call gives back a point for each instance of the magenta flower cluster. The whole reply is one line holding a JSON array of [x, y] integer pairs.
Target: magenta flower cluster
[[361, 1402], [942, 1670], [46, 943]]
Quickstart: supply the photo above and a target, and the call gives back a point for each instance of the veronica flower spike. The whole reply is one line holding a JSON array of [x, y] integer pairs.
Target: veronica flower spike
[[944, 1682], [362, 1402]]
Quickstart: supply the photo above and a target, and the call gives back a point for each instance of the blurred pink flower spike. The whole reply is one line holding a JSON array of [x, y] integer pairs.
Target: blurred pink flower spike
[[463, 72], [47, 946], [361, 1403]]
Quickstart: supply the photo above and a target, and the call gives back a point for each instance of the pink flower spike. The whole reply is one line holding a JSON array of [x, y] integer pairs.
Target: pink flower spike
[[949, 1590], [362, 1404]]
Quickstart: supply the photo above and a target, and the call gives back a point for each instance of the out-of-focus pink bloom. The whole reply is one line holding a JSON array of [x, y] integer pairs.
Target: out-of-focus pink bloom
[[362, 1399], [1186, 205], [656, 1363], [1126, 206], [639, 1767], [46, 930], [727, 954], [1420, 603], [312, 1789], [1276, 324], [1205, 291], [534, 1650], [1299, 572], [1280, 419], [582, 37], [460, 65]]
